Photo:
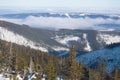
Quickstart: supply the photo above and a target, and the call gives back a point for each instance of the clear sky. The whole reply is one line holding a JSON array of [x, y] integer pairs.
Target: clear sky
[[107, 4]]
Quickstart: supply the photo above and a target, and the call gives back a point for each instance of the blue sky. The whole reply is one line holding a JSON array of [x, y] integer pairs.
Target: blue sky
[[22, 6], [107, 4]]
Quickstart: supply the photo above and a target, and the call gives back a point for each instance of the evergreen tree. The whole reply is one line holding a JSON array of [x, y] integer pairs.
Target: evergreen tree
[[116, 74], [39, 69], [11, 59], [1, 61], [20, 63], [102, 69], [50, 70], [94, 75], [91, 75], [72, 69]]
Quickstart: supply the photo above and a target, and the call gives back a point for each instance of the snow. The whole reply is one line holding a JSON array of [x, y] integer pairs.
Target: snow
[[3, 78], [58, 78], [43, 79], [64, 40], [66, 14], [18, 39], [19, 78], [108, 39], [110, 29], [82, 14], [57, 48], [87, 47], [113, 15], [33, 77]]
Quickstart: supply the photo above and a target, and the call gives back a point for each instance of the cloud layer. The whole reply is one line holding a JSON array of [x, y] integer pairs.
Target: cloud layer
[[62, 23]]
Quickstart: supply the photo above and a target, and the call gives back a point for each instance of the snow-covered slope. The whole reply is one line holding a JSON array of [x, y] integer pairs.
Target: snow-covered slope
[[57, 48], [66, 38], [84, 40], [18, 39], [87, 46], [107, 38], [57, 40]]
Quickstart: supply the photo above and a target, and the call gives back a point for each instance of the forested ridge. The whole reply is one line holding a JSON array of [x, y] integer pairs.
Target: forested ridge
[[19, 60]]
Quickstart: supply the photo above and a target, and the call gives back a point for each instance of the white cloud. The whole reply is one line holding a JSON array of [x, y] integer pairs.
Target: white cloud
[[58, 23]]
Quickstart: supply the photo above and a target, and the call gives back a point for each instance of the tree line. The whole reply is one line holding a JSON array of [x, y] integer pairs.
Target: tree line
[[16, 59]]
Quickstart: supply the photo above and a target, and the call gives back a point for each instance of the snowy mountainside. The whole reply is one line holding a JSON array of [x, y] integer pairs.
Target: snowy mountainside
[[57, 40], [87, 48], [110, 55], [64, 40], [108, 39], [18, 39]]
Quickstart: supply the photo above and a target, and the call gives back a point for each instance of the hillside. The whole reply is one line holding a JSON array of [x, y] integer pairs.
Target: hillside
[[55, 41], [110, 54]]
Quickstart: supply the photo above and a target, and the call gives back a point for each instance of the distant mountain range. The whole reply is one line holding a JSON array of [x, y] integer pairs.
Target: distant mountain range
[[73, 20], [55, 41], [64, 15]]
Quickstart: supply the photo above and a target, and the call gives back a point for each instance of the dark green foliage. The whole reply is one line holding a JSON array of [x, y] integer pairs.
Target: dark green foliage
[[102, 70], [20, 63], [19, 58], [50, 70], [116, 74], [71, 68], [94, 75]]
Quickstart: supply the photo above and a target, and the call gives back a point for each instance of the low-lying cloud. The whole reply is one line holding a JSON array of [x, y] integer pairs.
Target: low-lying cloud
[[62, 23]]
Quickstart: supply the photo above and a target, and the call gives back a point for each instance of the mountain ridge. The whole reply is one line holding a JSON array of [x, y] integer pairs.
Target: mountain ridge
[[62, 39]]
